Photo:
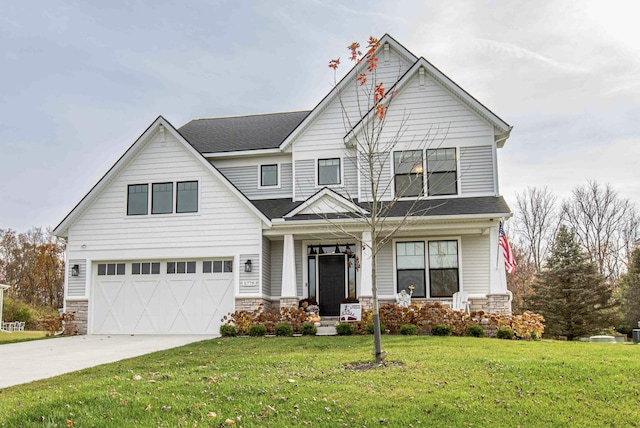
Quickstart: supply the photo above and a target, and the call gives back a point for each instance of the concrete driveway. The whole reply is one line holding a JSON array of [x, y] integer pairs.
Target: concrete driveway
[[40, 359]]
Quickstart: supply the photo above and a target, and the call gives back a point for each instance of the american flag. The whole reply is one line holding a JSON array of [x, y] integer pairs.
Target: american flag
[[509, 261]]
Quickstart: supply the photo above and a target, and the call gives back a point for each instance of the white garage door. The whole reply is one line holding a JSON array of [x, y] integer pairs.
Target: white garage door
[[161, 297]]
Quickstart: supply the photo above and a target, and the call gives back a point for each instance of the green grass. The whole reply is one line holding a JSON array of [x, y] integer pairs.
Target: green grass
[[21, 336], [307, 381]]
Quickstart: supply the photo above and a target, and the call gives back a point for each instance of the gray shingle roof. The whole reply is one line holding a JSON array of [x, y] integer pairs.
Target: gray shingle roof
[[277, 208], [227, 134]]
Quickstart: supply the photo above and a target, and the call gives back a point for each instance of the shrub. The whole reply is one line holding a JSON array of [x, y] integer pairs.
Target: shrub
[[409, 330], [228, 330], [16, 310], [534, 335], [475, 331], [505, 333], [283, 329], [257, 330], [369, 328], [345, 329], [441, 330], [308, 329]]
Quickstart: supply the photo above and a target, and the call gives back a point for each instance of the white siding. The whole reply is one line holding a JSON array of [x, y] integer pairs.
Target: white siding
[[306, 178], [475, 264], [223, 225], [476, 170], [246, 179], [277, 249], [266, 266], [385, 270], [77, 284], [249, 281]]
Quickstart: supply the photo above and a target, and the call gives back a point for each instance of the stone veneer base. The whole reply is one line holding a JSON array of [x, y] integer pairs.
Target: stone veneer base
[[80, 308]]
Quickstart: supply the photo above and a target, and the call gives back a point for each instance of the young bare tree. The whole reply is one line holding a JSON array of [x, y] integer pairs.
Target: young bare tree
[[536, 222], [605, 224], [373, 138]]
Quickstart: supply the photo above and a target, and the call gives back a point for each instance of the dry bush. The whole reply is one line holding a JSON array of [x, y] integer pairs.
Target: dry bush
[[243, 320]]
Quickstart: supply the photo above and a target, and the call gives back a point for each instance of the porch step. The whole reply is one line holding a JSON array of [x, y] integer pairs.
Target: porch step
[[327, 326]]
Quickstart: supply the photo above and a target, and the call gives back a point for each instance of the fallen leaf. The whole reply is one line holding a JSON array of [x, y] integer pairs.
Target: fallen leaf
[[69, 423], [137, 377], [211, 414], [148, 408]]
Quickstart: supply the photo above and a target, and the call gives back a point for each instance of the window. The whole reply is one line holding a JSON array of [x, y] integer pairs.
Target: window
[[442, 172], [268, 175], [408, 170], [137, 199], [410, 261], [328, 171], [187, 197], [145, 268], [111, 269], [181, 267], [217, 266], [162, 198], [443, 268]]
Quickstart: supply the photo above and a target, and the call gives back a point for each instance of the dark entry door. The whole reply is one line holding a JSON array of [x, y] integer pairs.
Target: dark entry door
[[331, 284]]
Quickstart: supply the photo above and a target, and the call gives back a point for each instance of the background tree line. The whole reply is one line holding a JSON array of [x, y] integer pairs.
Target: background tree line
[[578, 259], [32, 264]]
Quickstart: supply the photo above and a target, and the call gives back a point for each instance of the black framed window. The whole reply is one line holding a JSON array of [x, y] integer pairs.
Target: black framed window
[[162, 198], [442, 172], [268, 175], [410, 267], [187, 197], [217, 266], [145, 268], [137, 199], [444, 275], [328, 171], [408, 173]]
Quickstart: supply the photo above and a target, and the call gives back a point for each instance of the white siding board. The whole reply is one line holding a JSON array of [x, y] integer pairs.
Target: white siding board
[[385, 273], [475, 264], [476, 170], [77, 285], [245, 178]]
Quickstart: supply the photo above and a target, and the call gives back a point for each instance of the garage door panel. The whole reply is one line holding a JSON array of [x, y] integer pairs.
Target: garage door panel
[[164, 303]]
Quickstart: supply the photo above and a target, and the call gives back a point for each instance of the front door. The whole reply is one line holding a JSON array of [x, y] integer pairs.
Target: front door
[[331, 283]]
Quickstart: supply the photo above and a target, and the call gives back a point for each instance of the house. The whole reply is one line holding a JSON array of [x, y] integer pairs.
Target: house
[[225, 214]]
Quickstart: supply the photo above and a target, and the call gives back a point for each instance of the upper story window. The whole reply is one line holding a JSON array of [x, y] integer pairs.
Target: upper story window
[[187, 197], [268, 175], [162, 198], [328, 171], [442, 172], [137, 199], [408, 170]]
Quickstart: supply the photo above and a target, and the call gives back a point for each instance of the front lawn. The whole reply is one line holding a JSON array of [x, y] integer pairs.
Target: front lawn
[[317, 381], [21, 336]]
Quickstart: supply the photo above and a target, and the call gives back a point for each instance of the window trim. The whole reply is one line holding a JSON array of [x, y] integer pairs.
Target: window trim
[[269, 186], [129, 202], [197, 210], [172, 197], [340, 172], [456, 152], [423, 193], [427, 266]]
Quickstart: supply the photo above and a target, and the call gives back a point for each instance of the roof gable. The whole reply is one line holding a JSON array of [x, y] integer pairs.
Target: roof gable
[[423, 67], [385, 41], [159, 125], [326, 201]]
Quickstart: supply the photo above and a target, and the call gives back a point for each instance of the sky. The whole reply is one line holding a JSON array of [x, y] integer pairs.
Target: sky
[[81, 80]]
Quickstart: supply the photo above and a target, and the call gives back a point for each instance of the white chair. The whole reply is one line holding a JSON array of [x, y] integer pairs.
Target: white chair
[[461, 301]]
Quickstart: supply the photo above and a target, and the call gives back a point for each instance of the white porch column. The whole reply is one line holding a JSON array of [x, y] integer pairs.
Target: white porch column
[[288, 268], [497, 275], [366, 287]]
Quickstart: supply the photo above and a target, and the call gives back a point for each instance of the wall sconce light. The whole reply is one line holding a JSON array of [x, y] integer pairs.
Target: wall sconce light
[[75, 270], [247, 266]]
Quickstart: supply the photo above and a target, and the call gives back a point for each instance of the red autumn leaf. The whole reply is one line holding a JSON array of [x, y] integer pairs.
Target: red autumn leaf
[[378, 93], [362, 79], [355, 53], [334, 63]]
